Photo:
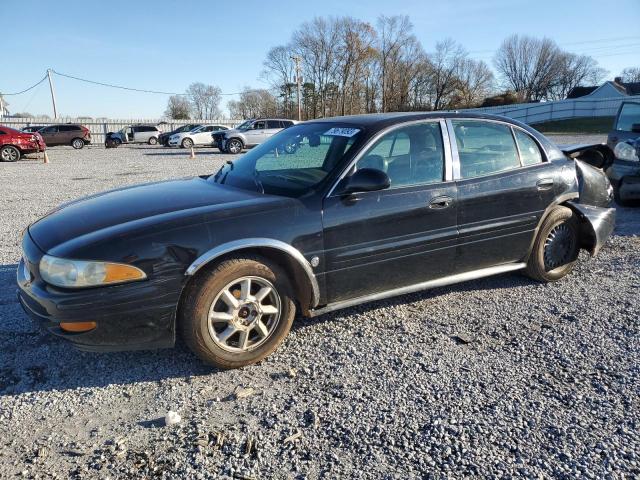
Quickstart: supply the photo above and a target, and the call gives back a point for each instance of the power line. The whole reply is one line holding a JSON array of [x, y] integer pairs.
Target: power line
[[26, 89], [137, 89]]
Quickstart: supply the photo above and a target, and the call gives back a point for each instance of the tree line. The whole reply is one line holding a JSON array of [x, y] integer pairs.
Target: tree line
[[349, 66]]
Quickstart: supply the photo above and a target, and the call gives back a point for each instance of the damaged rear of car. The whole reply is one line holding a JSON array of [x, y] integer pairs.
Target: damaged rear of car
[[594, 194]]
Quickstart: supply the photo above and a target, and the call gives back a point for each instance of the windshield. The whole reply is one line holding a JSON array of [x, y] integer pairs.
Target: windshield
[[245, 125], [197, 129], [293, 161], [186, 128]]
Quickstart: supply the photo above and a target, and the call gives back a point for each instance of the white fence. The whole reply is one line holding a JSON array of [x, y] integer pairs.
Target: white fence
[[99, 127], [543, 112]]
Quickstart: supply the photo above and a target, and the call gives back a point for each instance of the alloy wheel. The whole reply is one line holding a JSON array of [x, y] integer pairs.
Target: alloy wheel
[[77, 144], [244, 314], [235, 146], [10, 154], [559, 246]]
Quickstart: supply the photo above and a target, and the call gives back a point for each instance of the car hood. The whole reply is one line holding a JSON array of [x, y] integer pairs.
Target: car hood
[[230, 131], [139, 206]]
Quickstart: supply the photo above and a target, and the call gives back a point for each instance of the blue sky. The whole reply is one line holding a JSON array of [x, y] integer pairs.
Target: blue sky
[[166, 45]]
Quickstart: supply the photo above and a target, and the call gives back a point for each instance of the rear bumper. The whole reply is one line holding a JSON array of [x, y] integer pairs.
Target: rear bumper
[[131, 316]]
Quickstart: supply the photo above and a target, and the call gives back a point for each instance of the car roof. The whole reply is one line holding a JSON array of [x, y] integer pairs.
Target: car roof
[[380, 120]]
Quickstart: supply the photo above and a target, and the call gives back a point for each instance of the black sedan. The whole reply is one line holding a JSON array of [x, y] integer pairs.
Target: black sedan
[[363, 208]]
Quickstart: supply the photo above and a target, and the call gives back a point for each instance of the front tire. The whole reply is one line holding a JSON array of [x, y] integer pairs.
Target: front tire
[[187, 143], [9, 153], [153, 141], [77, 143], [235, 146], [555, 250], [237, 313]]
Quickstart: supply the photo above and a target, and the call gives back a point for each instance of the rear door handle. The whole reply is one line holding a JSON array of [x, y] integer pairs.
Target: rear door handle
[[544, 183], [441, 201]]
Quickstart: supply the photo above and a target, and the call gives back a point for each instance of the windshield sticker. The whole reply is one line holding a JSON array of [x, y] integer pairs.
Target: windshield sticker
[[342, 132]]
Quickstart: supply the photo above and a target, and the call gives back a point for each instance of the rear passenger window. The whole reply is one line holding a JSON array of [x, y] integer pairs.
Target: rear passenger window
[[529, 151], [484, 148], [412, 155], [274, 124]]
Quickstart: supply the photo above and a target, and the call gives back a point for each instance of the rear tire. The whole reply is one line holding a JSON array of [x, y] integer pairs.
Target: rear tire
[[77, 143], [237, 313], [9, 153], [555, 250]]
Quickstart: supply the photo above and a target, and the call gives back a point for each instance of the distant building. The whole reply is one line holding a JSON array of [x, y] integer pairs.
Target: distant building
[[610, 89]]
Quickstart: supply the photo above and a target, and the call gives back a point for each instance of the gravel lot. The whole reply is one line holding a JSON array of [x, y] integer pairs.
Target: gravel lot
[[499, 377]]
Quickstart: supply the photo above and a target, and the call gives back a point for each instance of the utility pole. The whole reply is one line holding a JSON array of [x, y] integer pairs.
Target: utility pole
[[53, 94], [1, 107], [296, 60]]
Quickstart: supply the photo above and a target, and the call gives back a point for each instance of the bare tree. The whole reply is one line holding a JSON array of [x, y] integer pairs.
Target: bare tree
[[205, 100], [574, 70], [253, 103], [630, 75], [446, 65], [396, 46], [528, 65], [178, 107], [475, 82], [314, 42]]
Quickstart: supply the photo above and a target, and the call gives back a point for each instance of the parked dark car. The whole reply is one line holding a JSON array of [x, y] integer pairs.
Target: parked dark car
[[624, 171], [15, 144], [366, 207], [32, 128], [163, 139], [66, 134]]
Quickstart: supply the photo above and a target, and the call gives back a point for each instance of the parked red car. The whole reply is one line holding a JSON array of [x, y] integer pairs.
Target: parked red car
[[15, 144]]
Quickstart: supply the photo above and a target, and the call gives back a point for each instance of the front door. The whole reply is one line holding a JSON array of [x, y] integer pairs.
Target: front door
[[406, 234], [256, 134], [51, 135], [504, 185]]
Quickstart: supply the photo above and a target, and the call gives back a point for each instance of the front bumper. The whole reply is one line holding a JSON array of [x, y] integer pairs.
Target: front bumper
[[139, 315], [626, 176]]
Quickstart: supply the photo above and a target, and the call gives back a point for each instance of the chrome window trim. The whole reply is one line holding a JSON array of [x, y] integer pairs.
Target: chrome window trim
[[235, 245], [456, 157], [377, 137]]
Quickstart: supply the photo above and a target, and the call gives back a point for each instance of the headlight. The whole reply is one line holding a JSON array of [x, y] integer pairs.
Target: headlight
[[624, 151], [79, 273]]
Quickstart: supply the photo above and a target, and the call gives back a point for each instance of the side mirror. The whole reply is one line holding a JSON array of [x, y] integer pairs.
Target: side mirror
[[364, 180], [635, 128]]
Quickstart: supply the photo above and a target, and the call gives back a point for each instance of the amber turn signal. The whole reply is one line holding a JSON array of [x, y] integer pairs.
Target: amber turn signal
[[77, 327]]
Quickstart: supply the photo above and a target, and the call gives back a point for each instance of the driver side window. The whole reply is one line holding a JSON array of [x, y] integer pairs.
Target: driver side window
[[412, 155]]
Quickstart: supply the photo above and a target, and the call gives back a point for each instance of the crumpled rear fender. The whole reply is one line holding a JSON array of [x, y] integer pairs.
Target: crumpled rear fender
[[596, 225]]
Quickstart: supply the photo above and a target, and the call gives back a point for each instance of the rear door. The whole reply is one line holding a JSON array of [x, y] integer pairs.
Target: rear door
[[67, 133], [406, 234], [273, 127], [504, 184]]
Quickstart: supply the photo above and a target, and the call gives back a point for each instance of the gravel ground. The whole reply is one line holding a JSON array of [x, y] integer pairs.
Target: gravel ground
[[500, 377]]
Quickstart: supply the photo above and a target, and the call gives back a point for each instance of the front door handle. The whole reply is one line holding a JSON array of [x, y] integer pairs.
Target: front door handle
[[441, 201], [544, 183]]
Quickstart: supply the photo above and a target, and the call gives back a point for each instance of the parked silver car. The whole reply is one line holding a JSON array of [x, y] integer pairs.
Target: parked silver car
[[134, 134], [249, 134]]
